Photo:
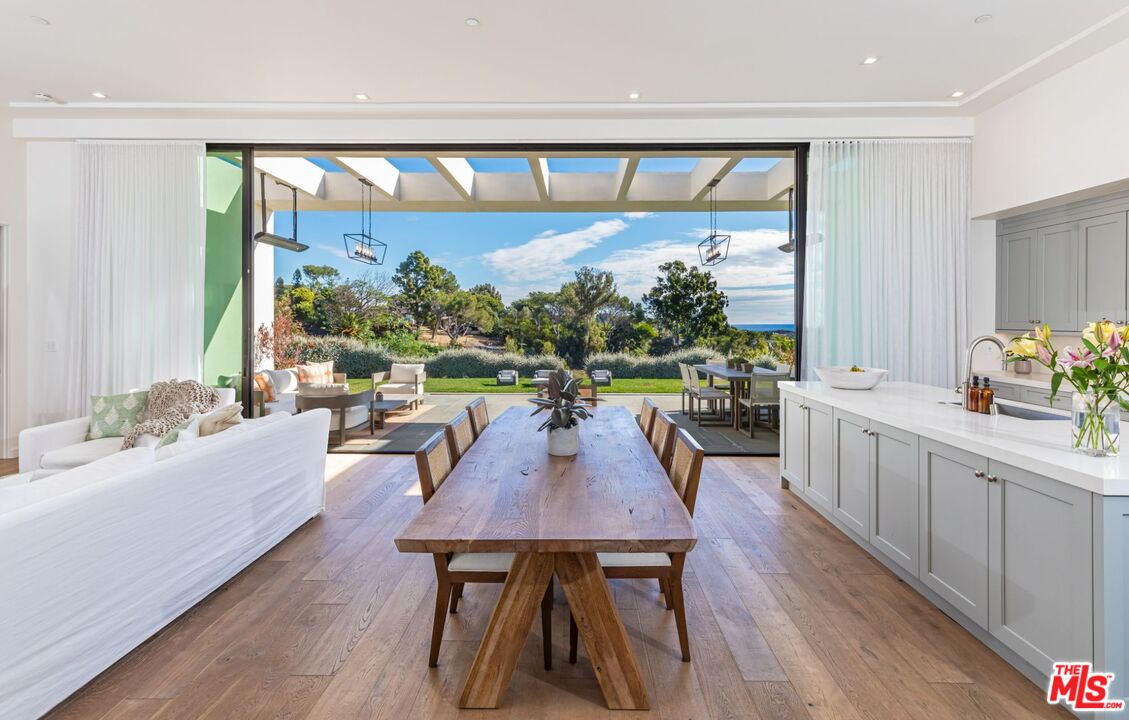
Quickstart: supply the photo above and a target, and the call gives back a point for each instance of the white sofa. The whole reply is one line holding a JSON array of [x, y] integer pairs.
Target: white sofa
[[63, 445], [99, 558], [285, 386], [403, 379]]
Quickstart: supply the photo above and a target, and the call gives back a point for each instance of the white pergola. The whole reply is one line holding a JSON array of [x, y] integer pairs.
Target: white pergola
[[456, 187]]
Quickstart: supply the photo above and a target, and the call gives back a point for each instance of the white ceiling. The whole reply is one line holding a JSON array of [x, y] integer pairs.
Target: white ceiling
[[576, 52]]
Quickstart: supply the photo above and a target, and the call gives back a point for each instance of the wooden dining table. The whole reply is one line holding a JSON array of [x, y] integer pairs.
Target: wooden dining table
[[507, 494]]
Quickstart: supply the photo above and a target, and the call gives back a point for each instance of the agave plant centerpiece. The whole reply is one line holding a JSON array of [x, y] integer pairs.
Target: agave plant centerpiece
[[565, 413]]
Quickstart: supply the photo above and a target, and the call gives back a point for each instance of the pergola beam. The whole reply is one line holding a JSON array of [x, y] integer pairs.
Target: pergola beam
[[778, 179], [624, 174], [458, 172], [383, 175], [708, 171], [539, 168], [295, 171]]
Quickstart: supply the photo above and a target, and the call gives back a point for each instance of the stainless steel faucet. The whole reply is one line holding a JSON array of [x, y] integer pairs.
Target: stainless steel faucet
[[963, 387]]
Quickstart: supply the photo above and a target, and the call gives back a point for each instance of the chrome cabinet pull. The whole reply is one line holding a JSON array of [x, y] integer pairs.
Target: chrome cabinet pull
[[979, 473], [993, 478]]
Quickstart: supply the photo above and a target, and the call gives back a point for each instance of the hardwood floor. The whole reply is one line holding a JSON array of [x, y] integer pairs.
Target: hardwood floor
[[788, 619], [9, 466]]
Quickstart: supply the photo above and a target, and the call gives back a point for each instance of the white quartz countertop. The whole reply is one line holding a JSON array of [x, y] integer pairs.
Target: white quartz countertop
[[1040, 446]]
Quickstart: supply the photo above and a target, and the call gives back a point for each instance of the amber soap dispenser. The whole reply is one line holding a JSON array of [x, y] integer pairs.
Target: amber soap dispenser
[[972, 402]]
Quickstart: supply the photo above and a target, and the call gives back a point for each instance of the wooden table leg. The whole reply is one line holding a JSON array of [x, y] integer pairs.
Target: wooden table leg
[[508, 630], [605, 639]]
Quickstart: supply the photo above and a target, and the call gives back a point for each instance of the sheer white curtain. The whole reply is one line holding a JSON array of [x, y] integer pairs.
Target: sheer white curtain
[[137, 284], [886, 257]]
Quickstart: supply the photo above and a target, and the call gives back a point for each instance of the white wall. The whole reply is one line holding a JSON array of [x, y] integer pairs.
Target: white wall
[[1065, 138], [50, 232]]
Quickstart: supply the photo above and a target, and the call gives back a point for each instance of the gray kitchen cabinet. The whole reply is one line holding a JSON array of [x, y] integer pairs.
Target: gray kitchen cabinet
[[1008, 392], [1055, 299], [818, 460], [1042, 396], [1102, 269], [953, 519], [894, 495], [1040, 592], [1016, 270], [851, 468], [793, 448]]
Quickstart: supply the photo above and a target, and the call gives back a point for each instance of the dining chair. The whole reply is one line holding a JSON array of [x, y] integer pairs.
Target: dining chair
[[479, 415], [685, 475], [710, 394], [452, 570], [662, 437], [460, 435], [764, 394], [687, 391], [647, 416]]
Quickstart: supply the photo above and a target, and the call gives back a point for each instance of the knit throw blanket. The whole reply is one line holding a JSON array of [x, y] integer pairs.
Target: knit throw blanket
[[171, 403]]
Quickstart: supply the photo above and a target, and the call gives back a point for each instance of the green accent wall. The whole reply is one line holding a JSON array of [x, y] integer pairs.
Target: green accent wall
[[223, 269]]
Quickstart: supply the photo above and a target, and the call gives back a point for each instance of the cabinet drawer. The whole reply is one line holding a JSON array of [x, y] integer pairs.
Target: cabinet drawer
[[1039, 396], [1008, 392]]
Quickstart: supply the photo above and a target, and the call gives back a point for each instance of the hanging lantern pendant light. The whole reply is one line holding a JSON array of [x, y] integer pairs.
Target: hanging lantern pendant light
[[362, 246], [715, 248]]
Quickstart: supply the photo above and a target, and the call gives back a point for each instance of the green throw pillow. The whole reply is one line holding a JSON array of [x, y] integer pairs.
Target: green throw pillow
[[115, 415], [171, 436]]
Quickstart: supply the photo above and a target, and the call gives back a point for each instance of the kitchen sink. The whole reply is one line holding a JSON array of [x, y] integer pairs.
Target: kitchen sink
[[1015, 411]]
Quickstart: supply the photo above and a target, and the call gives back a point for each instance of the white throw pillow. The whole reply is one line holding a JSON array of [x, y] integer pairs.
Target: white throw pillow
[[284, 381], [185, 444]]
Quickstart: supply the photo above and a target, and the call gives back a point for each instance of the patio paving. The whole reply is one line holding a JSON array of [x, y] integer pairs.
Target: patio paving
[[404, 432]]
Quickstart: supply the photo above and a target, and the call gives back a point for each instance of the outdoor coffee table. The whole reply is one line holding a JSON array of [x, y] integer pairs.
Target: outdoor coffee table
[[380, 408], [341, 403]]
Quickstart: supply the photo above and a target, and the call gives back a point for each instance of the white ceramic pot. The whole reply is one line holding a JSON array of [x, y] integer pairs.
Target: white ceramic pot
[[564, 442]]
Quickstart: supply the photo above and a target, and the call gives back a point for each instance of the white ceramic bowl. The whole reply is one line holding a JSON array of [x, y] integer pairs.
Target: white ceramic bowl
[[844, 379]]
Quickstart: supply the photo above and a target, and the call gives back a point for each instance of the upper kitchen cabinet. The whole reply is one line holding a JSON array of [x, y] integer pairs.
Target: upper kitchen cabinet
[[1017, 267], [1064, 266], [1102, 267]]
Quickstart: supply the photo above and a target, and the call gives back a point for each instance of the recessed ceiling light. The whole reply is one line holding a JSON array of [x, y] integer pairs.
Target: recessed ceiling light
[[633, 96], [869, 60], [39, 20], [100, 95], [47, 97], [981, 19], [472, 22], [360, 96], [957, 93]]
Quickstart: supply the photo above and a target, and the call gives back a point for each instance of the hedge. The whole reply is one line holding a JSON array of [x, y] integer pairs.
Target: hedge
[[625, 366], [356, 359]]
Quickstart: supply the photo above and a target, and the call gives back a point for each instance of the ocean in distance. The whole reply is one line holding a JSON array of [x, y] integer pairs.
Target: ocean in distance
[[768, 327]]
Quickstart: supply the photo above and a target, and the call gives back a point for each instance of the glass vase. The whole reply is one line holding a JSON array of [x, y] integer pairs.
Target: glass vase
[[1096, 424]]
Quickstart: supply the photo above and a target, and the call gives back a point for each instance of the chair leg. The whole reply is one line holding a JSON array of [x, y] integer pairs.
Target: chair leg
[[664, 588], [547, 626], [573, 638], [442, 595], [675, 585], [456, 595]]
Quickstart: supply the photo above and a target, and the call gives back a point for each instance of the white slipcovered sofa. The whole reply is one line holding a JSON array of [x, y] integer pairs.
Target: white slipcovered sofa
[[402, 379], [285, 386], [99, 558], [63, 445]]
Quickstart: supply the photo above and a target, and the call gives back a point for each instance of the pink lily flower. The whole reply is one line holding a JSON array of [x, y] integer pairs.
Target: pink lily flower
[[1113, 348], [1043, 354], [1082, 359]]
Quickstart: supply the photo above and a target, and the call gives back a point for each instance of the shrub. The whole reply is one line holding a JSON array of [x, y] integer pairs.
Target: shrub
[[356, 359], [625, 366]]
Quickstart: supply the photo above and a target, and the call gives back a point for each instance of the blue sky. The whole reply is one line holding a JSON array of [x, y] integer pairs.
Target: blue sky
[[522, 252]]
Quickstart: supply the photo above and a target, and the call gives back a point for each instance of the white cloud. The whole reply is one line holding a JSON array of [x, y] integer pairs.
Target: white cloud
[[335, 250], [544, 256], [756, 276], [637, 215]]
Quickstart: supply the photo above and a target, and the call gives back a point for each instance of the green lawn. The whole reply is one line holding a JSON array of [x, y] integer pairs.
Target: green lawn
[[479, 386]]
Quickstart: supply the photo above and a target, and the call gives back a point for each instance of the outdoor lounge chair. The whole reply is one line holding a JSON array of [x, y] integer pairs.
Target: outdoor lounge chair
[[507, 377], [600, 377]]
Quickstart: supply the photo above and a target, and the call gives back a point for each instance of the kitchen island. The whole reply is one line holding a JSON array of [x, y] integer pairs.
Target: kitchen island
[[992, 517]]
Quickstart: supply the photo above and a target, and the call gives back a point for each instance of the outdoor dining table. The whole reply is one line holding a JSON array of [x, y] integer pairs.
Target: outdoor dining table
[[737, 380], [507, 494]]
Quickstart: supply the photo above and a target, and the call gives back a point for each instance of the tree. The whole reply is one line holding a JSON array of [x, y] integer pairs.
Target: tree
[[420, 282], [686, 303], [320, 276], [583, 297], [297, 280], [460, 311]]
